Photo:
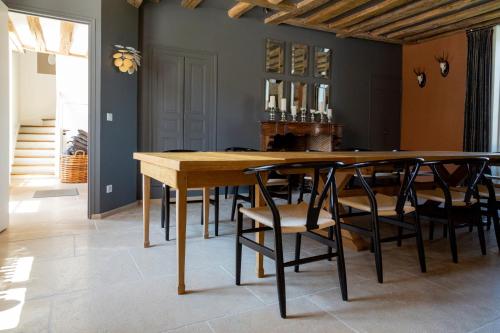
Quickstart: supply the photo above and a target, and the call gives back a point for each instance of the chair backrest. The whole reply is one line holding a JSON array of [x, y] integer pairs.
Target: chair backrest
[[474, 172], [408, 166], [326, 170], [240, 149]]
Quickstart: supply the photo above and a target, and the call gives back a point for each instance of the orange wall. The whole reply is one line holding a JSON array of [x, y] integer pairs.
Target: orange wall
[[433, 117]]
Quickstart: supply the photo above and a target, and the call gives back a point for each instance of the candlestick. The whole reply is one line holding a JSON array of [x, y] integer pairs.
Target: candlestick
[[272, 102], [283, 105], [330, 115]]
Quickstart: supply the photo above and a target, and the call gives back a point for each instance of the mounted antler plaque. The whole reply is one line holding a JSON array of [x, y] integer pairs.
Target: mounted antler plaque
[[444, 66], [421, 77]]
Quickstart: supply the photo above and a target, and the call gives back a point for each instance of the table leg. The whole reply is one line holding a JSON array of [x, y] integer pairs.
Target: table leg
[[206, 211], [181, 206], [146, 202], [259, 237]]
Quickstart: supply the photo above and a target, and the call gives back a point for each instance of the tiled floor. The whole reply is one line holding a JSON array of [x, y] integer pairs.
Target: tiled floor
[[63, 273]]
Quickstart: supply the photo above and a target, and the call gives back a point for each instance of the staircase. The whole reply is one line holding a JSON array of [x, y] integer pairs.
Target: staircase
[[35, 150]]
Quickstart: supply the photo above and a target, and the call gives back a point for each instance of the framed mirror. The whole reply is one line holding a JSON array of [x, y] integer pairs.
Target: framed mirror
[[275, 91], [299, 95], [322, 62], [300, 59], [275, 56], [321, 96]]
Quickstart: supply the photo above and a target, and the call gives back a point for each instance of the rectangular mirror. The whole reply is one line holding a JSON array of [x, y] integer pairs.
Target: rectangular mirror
[[300, 59], [275, 56], [275, 91], [322, 62], [299, 95], [321, 97]]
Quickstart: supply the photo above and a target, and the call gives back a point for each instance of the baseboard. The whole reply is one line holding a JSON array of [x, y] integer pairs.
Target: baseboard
[[114, 211]]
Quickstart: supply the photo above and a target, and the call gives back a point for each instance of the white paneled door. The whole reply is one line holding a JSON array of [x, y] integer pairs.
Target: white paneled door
[[4, 118]]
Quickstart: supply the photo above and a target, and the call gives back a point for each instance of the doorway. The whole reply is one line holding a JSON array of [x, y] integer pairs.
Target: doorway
[[49, 114]]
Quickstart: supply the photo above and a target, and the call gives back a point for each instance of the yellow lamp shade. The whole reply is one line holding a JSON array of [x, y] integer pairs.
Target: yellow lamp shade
[[117, 55], [127, 63], [131, 70], [128, 56], [118, 62], [123, 68]]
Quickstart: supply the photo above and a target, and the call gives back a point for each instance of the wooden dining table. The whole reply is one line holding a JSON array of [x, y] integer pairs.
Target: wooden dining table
[[183, 171]]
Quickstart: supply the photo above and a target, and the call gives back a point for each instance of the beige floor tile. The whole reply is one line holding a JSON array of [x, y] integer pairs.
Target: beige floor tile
[[492, 327], [41, 248], [29, 316], [303, 316], [195, 328]]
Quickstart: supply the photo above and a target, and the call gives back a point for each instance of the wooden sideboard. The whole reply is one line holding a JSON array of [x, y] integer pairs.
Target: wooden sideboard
[[298, 136]]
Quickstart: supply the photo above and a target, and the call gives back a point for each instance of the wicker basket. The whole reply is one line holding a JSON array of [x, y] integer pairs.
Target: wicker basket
[[74, 168]]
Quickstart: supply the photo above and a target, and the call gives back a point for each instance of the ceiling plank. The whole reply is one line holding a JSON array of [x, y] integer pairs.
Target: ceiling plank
[[36, 30], [239, 9], [449, 19], [367, 13], [285, 5], [425, 16], [14, 37], [398, 14], [135, 3], [325, 27], [334, 10], [190, 4], [66, 37], [461, 25], [302, 7]]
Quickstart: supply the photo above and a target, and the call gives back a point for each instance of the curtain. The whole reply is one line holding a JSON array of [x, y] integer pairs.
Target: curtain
[[478, 91]]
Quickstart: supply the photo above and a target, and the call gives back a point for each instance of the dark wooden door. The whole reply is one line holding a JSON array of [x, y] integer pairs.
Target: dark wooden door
[[385, 113]]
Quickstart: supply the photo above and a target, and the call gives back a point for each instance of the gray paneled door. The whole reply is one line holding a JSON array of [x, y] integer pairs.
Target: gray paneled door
[[182, 99], [385, 113]]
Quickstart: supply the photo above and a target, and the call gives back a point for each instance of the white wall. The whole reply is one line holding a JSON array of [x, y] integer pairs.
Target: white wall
[[4, 119], [13, 101], [37, 92]]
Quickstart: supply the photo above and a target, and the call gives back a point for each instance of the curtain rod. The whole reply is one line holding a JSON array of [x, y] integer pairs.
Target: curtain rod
[[489, 26]]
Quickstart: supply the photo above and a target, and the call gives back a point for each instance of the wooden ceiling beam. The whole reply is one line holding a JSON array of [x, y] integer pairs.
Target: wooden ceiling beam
[[367, 13], [334, 10], [398, 14], [302, 7], [14, 37], [66, 37], [461, 25], [36, 30], [135, 3], [190, 4], [239, 9], [284, 5], [427, 15], [449, 19]]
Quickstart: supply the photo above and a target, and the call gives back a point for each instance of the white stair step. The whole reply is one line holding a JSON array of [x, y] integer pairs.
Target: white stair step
[[36, 137], [28, 152], [36, 129], [21, 169], [34, 160], [35, 144], [49, 122]]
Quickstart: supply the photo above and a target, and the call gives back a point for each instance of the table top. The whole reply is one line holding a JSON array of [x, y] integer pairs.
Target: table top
[[219, 161]]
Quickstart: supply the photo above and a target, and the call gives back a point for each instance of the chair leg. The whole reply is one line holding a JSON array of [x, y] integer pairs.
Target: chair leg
[[420, 244], [226, 189], [480, 231], [330, 237], [289, 191], [167, 213], [239, 227], [378, 249], [163, 206], [298, 239], [202, 214], [341, 263], [235, 199], [496, 224], [301, 189], [431, 230], [453, 238], [216, 211], [280, 272]]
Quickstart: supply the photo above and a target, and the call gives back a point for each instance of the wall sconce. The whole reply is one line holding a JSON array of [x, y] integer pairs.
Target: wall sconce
[[126, 59], [444, 66], [421, 77]]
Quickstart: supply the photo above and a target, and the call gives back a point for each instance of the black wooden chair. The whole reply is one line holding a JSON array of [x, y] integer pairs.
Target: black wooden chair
[[455, 208], [166, 202], [391, 208], [300, 219], [490, 203]]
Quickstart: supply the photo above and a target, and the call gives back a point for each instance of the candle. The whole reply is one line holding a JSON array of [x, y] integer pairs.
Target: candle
[[272, 102], [321, 106], [294, 110], [283, 104], [330, 113]]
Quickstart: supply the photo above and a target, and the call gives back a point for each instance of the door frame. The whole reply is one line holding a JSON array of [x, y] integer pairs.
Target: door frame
[[145, 126], [94, 108]]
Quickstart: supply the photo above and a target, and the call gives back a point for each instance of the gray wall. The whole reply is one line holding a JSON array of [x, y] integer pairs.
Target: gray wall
[[239, 45], [112, 144]]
